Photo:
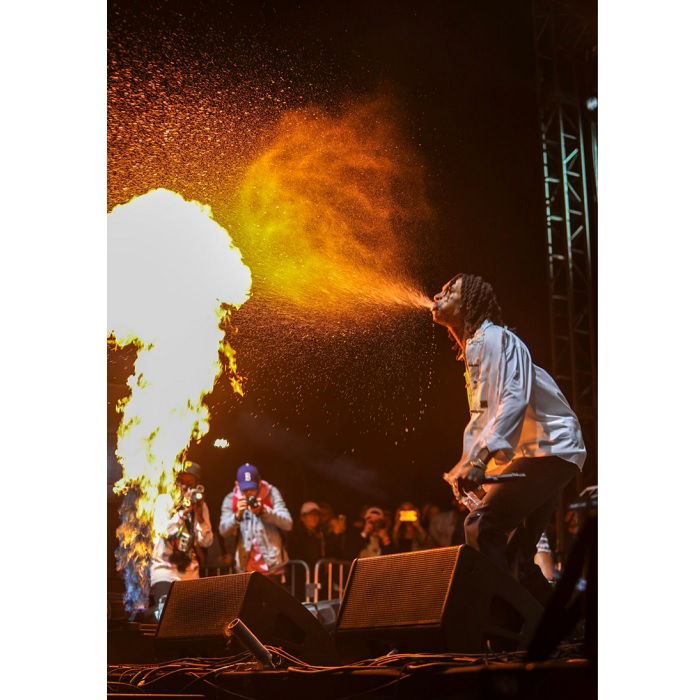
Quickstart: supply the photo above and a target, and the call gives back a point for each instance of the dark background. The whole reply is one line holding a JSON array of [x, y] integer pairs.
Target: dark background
[[378, 417]]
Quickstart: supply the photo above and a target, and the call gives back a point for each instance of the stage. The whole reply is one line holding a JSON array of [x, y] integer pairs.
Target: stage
[[567, 674]]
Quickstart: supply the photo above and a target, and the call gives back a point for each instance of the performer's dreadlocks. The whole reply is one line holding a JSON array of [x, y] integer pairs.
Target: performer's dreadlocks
[[478, 303]]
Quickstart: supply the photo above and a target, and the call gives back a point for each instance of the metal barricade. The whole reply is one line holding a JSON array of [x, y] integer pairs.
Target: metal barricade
[[287, 574], [285, 571], [342, 566]]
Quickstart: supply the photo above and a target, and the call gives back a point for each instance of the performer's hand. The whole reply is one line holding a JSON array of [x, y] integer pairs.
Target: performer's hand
[[472, 479], [454, 486]]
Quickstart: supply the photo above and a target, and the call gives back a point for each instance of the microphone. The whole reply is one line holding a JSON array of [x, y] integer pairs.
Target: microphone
[[498, 478]]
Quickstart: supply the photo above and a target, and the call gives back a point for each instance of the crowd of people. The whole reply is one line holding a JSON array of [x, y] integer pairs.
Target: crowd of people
[[256, 531], [321, 533]]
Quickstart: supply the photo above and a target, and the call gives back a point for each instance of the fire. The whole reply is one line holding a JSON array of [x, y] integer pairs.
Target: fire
[[323, 211], [174, 276]]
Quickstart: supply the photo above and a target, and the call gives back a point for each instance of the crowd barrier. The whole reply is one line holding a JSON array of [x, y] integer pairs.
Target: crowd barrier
[[333, 588], [329, 578]]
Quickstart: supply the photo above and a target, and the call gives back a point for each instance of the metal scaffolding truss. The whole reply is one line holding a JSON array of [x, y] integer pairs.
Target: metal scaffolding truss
[[560, 40]]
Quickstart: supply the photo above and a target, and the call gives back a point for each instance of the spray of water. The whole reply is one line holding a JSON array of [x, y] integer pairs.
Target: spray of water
[[323, 213]]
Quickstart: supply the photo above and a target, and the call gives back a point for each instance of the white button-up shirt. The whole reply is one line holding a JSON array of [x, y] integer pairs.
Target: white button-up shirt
[[516, 408]]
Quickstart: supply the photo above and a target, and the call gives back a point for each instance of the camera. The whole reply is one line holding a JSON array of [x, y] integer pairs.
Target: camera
[[183, 543], [253, 502], [196, 495]]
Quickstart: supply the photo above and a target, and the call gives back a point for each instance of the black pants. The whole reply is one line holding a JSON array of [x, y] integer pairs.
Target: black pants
[[513, 515]]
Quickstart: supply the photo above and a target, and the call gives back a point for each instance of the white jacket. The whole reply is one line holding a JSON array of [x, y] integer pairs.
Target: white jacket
[[264, 528], [516, 408]]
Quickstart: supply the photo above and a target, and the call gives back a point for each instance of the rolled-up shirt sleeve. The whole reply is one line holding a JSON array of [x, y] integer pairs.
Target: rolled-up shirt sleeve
[[509, 386]]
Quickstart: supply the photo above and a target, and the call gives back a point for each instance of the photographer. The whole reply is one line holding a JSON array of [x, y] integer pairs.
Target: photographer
[[370, 541], [408, 534], [255, 513], [185, 528]]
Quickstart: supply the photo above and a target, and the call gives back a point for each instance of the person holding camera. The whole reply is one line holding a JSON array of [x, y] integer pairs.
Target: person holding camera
[[408, 534], [185, 529], [372, 539], [255, 514]]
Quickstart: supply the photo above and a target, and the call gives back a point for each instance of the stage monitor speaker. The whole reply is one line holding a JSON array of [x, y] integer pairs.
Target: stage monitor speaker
[[326, 612], [451, 599], [197, 613]]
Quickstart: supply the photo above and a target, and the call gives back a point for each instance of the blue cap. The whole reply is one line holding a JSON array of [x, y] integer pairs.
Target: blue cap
[[247, 477]]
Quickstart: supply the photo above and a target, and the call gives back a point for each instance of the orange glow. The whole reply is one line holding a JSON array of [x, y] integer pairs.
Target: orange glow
[[321, 213]]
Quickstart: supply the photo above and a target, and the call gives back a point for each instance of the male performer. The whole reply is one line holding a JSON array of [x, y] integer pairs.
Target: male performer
[[519, 422]]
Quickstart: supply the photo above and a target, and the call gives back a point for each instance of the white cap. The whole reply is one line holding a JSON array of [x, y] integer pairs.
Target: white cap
[[308, 507]]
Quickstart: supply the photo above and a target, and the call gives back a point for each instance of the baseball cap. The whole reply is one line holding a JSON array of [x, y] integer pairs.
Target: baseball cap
[[191, 468], [247, 477], [309, 506]]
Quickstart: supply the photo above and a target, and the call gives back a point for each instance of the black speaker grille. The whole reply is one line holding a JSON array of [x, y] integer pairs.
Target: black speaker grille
[[206, 605], [385, 592]]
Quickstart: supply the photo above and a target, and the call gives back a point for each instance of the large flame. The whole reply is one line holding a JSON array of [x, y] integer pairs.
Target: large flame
[[173, 276], [322, 212]]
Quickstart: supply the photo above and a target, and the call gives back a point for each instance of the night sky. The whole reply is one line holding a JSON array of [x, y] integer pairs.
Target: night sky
[[373, 414]]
